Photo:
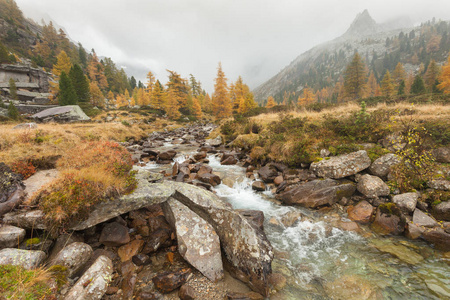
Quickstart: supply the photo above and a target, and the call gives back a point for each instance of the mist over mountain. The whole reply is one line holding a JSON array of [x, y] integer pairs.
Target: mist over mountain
[[381, 45]]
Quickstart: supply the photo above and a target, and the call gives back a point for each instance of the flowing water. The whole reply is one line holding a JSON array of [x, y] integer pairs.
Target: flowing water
[[322, 261]]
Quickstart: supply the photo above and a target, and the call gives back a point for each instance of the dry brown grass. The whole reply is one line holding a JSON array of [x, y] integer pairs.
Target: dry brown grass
[[57, 139], [421, 112]]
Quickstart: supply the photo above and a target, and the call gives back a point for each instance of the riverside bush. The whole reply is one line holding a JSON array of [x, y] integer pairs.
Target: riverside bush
[[92, 172]]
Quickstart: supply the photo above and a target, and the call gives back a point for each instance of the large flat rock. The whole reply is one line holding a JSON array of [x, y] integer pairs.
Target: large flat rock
[[198, 242]]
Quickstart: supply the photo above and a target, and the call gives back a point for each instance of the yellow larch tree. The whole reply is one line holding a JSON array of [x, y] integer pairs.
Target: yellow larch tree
[[197, 108], [150, 82], [221, 102], [63, 64], [97, 98], [158, 99], [270, 102], [207, 104], [172, 106], [96, 72], [308, 97], [399, 74], [444, 78], [387, 85], [111, 98], [372, 85]]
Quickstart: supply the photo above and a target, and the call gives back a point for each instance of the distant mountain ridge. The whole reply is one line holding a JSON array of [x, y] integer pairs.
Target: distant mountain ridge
[[321, 66]]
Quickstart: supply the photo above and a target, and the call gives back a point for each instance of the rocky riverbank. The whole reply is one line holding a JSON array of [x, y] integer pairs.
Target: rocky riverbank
[[173, 238]]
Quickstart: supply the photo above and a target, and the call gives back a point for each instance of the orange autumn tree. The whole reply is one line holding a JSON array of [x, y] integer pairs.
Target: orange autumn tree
[[96, 72], [270, 102], [387, 85], [197, 108], [221, 102], [444, 78], [308, 97], [63, 65]]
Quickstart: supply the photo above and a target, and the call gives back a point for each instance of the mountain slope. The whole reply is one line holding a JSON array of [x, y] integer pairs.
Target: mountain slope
[[381, 45]]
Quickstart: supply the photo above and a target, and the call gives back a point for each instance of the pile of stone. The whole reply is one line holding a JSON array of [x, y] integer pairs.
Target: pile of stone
[[353, 180], [145, 244]]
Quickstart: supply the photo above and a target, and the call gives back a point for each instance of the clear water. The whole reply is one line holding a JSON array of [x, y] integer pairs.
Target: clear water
[[321, 261]]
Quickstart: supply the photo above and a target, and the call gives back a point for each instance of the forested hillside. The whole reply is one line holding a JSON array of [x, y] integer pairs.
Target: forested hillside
[[322, 69]]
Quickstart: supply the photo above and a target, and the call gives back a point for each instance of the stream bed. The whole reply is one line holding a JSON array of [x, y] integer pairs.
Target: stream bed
[[319, 259]]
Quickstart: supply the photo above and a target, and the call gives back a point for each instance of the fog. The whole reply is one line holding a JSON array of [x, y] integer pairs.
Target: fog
[[252, 38]]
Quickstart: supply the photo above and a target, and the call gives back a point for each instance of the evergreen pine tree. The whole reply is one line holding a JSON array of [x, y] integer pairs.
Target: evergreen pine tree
[[12, 89], [80, 83], [67, 95], [13, 113], [401, 88], [418, 86]]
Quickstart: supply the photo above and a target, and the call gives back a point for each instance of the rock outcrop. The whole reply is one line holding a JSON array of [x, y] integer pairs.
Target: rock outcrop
[[62, 114], [342, 166]]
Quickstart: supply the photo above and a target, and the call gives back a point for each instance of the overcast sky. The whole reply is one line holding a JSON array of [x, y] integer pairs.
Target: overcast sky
[[252, 38]]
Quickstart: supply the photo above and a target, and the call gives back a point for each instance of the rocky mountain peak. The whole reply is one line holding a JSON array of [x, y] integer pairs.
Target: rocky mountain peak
[[362, 25]]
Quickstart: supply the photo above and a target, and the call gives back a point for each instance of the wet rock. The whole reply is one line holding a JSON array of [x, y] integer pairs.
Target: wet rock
[[413, 231], [438, 237], [167, 155], [198, 243], [349, 226], [187, 293], [73, 257], [439, 184], [361, 212], [114, 235], [422, 219], [258, 186], [248, 252], [199, 156], [94, 282], [256, 217], [386, 223], [171, 280], [33, 219], [372, 186], [204, 169], [406, 202], [277, 281], [350, 287], [28, 259], [11, 236], [209, 178], [381, 167], [401, 252], [317, 193], [230, 160], [216, 142], [278, 180], [141, 259], [268, 173], [175, 168], [126, 252], [442, 154], [160, 238], [342, 166], [244, 296], [128, 285], [291, 218], [442, 211]]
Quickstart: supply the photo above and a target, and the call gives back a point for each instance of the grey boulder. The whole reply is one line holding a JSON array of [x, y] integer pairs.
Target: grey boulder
[[342, 166]]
